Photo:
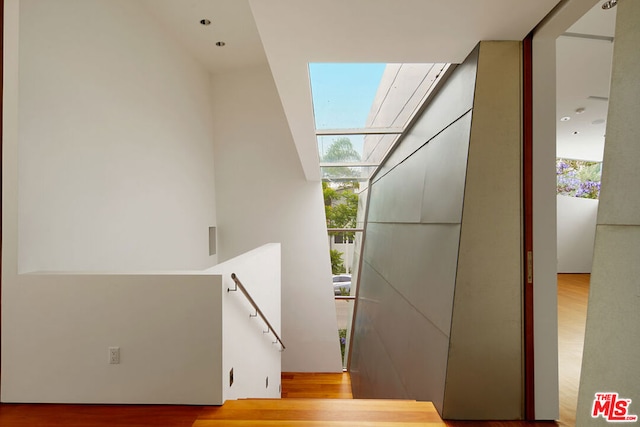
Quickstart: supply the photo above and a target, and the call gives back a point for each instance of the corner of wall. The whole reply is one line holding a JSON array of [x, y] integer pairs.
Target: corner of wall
[[484, 371]]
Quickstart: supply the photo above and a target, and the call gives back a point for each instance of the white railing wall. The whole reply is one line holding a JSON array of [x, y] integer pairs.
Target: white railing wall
[[247, 346], [57, 330], [179, 334]]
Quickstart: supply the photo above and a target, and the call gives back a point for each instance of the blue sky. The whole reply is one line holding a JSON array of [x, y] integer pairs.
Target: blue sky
[[343, 93]]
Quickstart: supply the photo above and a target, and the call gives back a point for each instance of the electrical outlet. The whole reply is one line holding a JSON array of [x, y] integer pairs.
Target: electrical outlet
[[114, 355]]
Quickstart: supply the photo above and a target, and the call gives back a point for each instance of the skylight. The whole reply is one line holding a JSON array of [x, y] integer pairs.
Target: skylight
[[343, 93], [361, 110]]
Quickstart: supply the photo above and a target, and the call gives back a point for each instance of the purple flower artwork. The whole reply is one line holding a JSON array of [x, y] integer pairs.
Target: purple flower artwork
[[578, 178]]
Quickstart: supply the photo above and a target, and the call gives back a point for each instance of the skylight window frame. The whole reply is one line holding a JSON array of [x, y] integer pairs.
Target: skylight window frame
[[360, 131], [349, 165], [443, 73]]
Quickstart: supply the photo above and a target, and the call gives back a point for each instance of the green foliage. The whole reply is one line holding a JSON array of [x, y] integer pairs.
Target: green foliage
[[343, 215], [337, 264], [340, 150], [342, 335], [329, 194], [340, 206], [340, 202]]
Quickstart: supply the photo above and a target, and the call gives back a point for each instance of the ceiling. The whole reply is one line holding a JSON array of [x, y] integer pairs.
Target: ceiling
[[231, 22], [288, 34], [584, 57]]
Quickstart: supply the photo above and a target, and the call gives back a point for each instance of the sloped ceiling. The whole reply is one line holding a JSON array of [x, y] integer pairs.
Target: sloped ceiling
[[291, 33]]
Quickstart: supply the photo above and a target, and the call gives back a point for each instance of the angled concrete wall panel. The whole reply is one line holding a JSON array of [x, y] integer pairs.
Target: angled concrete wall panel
[[484, 373], [405, 298], [444, 219], [612, 338]]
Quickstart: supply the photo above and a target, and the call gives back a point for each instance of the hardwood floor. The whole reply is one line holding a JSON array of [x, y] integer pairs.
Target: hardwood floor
[[316, 386], [573, 294], [300, 412], [320, 399], [316, 390], [37, 415]]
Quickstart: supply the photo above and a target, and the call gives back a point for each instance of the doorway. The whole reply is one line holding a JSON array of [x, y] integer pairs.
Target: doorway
[[567, 109], [584, 54]]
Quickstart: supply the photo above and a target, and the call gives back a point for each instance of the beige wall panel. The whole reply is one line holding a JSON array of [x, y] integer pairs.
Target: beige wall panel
[[620, 201], [612, 338], [484, 373]]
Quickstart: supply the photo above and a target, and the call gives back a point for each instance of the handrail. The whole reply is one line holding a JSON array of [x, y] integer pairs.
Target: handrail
[[256, 308]]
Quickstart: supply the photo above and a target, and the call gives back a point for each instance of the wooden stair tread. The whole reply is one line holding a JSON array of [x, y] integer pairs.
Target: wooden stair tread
[[316, 385], [329, 412], [305, 403], [311, 423]]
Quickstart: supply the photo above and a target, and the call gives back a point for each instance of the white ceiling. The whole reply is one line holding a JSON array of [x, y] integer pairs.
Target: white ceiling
[[288, 34], [296, 32], [231, 22], [583, 71]]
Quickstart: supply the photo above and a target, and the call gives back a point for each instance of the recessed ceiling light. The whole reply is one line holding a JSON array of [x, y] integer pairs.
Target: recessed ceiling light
[[205, 22], [598, 122], [609, 4], [575, 132], [220, 44], [580, 110], [565, 119]]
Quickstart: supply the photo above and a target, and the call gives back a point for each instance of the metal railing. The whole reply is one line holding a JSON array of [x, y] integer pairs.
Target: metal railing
[[239, 285]]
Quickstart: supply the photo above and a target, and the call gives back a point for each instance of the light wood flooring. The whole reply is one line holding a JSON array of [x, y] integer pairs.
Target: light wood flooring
[[316, 386], [299, 412], [323, 399], [573, 294]]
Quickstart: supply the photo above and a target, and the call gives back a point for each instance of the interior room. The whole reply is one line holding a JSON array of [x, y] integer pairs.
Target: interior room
[[164, 225]]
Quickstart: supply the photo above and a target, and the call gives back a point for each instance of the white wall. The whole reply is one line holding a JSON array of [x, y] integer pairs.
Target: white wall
[[115, 141], [545, 284], [576, 233], [57, 330], [544, 210], [263, 196], [247, 349], [115, 172]]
